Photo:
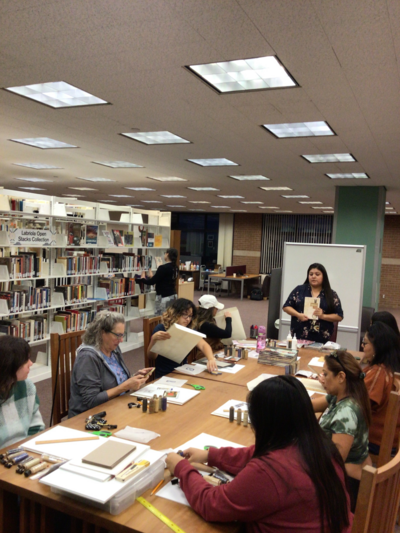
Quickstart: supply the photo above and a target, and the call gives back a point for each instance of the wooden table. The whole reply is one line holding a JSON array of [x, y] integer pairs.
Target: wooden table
[[176, 426], [242, 279]]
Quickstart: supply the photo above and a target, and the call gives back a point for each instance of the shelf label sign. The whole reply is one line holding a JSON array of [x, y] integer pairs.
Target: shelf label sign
[[31, 237]]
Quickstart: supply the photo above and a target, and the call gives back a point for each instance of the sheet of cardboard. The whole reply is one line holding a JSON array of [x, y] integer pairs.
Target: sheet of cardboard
[[182, 341], [238, 332], [109, 454]]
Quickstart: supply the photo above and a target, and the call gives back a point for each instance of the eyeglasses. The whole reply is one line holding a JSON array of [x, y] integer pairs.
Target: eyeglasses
[[336, 357], [118, 335], [186, 315]]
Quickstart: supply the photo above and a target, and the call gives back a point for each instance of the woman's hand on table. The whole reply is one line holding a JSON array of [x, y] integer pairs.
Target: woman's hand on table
[[172, 460], [302, 317], [212, 365], [195, 455]]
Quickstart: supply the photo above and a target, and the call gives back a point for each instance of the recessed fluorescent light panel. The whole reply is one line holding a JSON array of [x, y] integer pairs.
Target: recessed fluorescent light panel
[[221, 162], [387, 203], [389, 208], [259, 73], [198, 202], [95, 179], [33, 179], [309, 203], [222, 196], [167, 179], [299, 129], [57, 94], [203, 189], [172, 196], [251, 202], [324, 207], [44, 143], [176, 206], [121, 196], [276, 188], [352, 175], [239, 211], [108, 201], [267, 207], [195, 209], [249, 177], [156, 137], [138, 189], [329, 212], [294, 196], [329, 158], [36, 166], [283, 211], [32, 188], [221, 206], [82, 189], [151, 202], [76, 195], [117, 164]]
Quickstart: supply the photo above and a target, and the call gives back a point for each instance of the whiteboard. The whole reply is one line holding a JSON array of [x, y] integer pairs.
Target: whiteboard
[[345, 265]]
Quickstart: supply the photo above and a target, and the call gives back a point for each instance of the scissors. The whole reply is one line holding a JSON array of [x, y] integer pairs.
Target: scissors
[[196, 387]]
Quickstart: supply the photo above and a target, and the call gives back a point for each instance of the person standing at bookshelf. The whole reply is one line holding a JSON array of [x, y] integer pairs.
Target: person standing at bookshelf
[[165, 281], [316, 326], [19, 403]]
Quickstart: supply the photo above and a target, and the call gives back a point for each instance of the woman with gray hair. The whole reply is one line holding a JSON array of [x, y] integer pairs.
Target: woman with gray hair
[[100, 372]]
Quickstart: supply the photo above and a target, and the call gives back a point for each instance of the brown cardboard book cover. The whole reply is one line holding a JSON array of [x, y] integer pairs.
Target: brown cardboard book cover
[[109, 454]]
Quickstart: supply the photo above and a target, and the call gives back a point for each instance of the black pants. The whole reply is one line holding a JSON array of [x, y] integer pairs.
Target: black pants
[[353, 486]]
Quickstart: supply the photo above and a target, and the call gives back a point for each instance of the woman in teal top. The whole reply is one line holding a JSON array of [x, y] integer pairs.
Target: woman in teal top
[[346, 413]]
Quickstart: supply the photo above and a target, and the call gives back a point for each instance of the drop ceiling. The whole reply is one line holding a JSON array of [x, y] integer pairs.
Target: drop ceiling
[[133, 54]]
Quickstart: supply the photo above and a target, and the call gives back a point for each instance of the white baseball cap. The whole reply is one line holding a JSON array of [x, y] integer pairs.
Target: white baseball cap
[[208, 301]]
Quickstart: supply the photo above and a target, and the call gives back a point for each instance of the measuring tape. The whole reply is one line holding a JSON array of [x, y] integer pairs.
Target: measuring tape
[[159, 515]]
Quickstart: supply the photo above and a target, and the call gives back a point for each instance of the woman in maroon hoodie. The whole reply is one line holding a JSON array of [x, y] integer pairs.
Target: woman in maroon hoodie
[[291, 480]]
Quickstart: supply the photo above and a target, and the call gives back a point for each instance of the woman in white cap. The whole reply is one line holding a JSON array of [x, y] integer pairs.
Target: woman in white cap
[[205, 321]]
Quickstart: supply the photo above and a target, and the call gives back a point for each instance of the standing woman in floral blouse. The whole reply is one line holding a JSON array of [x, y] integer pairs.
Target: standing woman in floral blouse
[[316, 285]]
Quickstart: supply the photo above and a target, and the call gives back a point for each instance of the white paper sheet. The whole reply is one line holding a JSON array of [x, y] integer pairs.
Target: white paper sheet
[[223, 411], [184, 395], [254, 382], [182, 341], [174, 492], [191, 370], [231, 369], [253, 354], [171, 382]]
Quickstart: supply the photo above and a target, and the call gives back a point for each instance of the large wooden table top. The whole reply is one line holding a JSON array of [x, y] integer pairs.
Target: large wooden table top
[[176, 426]]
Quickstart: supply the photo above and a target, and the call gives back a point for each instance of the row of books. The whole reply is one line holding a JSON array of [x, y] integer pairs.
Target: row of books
[[23, 265], [75, 320], [80, 234], [73, 294], [16, 204], [80, 264], [127, 262], [117, 286], [23, 298], [31, 329], [118, 237]]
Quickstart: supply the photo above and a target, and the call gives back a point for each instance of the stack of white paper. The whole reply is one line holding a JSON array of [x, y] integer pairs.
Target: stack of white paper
[[223, 411], [158, 389], [253, 383]]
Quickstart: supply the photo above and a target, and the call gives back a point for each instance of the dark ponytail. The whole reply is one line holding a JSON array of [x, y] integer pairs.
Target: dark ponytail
[[173, 257]]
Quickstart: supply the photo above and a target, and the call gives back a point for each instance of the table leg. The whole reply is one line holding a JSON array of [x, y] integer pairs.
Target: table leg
[[208, 282], [241, 288]]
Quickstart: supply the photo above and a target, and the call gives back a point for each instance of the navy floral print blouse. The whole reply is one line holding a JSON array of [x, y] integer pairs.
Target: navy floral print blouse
[[311, 330]]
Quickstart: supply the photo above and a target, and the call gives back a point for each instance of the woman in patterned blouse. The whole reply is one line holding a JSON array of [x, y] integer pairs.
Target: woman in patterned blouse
[[320, 327]]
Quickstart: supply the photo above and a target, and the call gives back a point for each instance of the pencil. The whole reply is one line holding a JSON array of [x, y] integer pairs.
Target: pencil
[[157, 487], [65, 440]]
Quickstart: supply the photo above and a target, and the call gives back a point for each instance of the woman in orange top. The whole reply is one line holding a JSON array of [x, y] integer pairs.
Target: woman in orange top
[[382, 354]]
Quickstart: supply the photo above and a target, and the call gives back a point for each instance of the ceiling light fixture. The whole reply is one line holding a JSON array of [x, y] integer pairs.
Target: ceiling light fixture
[[82, 189], [220, 206], [151, 202], [219, 162], [202, 189], [324, 207], [251, 202], [117, 164], [294, 196], [329, 158], [95, 179], [172, 196], [45, 143], [250, 177], [33, 179], [166, 179], [138, 189], [32, 188], [121, 196], [349, 175], [198, 202], [299, 129], [36, 166], [258, 73], [267, 207], [224, 196], [57, 94], [276, 188], [156, 137], [309, 203]]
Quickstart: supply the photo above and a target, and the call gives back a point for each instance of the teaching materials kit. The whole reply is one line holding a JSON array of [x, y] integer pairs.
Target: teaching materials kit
[[280, 357]]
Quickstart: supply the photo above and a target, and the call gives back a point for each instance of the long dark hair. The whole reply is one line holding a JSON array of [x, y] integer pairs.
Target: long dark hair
[[386, 318], [204, 315], [14, 352], [355, 386], [326, 286], [177, 309], [173, 257], [386, 346], [284, 398]]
